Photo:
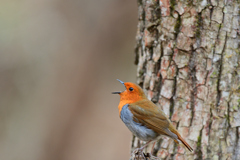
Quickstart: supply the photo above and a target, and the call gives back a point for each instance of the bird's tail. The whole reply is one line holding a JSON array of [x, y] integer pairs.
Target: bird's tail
[[184, 142]]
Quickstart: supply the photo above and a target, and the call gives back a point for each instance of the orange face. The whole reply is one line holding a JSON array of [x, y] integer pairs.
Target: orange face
[[132, 93]]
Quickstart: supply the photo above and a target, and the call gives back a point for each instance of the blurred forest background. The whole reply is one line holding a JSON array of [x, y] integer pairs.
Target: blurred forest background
[[59, 61]]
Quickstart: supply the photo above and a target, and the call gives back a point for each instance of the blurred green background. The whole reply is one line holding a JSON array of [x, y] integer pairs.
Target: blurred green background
[[59, 61]]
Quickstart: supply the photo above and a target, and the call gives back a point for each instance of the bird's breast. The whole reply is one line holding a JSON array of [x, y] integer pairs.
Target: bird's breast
[[138, 129]]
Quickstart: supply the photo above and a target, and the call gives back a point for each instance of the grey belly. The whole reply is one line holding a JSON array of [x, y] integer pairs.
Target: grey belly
[[137, 129]]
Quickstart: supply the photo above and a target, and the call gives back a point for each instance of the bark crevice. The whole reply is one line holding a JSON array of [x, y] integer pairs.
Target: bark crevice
[[199, 145], [237, 144], [220, 73], [193, 88]]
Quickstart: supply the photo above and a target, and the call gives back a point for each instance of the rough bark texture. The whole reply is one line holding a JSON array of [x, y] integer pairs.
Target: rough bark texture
[[188, 61]]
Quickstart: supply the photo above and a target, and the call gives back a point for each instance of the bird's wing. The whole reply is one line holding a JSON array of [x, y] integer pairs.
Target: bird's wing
[[147, 113]]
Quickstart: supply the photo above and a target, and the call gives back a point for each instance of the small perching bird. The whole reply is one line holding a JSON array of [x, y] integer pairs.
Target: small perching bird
[[143, 118]]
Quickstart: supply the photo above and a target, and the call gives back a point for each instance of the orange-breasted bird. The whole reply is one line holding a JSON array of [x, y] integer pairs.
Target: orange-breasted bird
[[143, 118]]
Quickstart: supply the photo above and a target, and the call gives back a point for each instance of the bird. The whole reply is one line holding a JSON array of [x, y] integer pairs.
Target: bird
[[143, 118]]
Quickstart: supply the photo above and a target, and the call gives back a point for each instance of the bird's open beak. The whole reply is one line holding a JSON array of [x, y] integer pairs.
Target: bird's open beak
[[118, 92]]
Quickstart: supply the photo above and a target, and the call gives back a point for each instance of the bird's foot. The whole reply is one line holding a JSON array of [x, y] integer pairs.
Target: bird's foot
[[152, 157], [139, 155]]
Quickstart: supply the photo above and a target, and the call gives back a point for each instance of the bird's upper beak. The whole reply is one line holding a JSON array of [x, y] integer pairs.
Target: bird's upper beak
[[119, 91]]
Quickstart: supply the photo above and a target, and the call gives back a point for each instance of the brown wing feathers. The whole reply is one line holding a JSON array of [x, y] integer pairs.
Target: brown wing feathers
[[155, 119]]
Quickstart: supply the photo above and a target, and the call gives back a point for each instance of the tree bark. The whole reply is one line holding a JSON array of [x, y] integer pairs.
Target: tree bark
[[188, 61]]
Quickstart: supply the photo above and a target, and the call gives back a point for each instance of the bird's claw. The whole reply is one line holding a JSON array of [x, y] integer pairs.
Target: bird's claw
[[139, 155], [152, 157]]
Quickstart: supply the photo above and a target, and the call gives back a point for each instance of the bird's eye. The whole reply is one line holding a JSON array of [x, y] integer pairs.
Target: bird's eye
[[130, 89]]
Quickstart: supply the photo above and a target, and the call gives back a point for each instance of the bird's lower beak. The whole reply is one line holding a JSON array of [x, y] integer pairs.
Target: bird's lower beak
[[116, 92]]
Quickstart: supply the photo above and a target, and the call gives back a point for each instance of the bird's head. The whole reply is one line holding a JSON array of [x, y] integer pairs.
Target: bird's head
[[132, 93]]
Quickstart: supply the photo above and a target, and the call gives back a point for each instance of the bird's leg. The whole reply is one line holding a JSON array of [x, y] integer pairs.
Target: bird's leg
[[151, 154], [145, 145], [153, 147], [140, 150]]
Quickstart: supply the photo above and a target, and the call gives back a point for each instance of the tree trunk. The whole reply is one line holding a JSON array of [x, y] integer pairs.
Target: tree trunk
[[188, 61]]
